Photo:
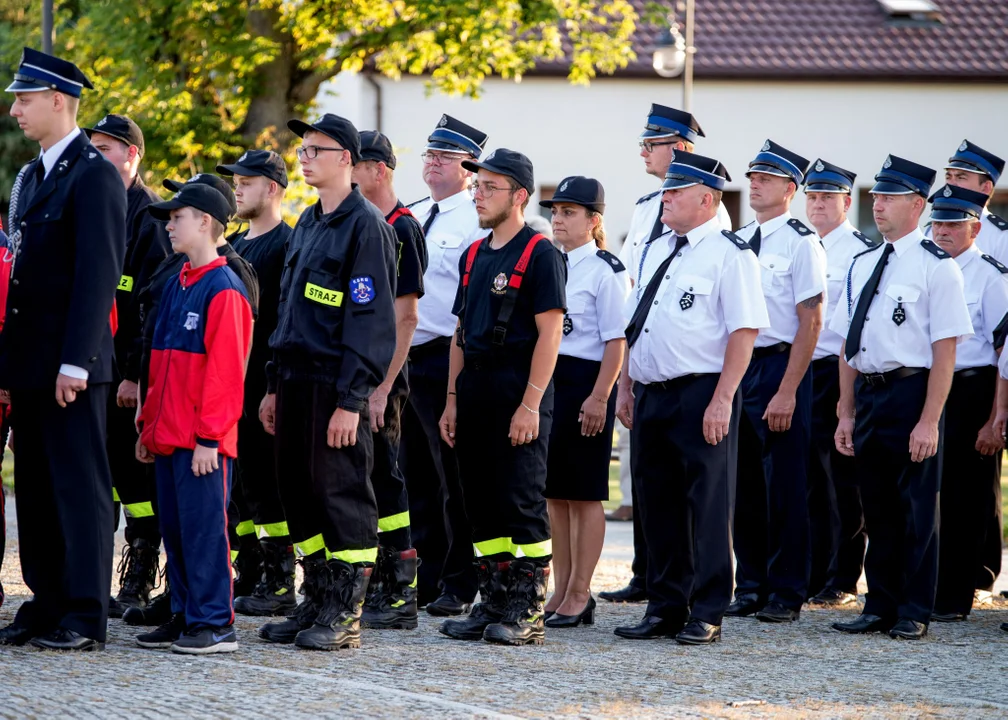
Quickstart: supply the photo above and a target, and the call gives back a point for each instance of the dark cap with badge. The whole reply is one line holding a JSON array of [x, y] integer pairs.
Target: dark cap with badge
[[506, 162], [903, 177], [777, 160], [579, 190], [195, 195], [973, 158], [38, 71], [956, 204], [453, 135], [338, 128], [254, 163], [663, 121], [219, 184], [689, 169], [829, 178], [377, 147], [121, 128]]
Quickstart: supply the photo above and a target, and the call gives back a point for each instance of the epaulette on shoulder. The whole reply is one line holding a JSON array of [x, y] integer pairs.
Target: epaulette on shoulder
[[417, 202], [611, 260], [934, 249], [873, 248], [799, 227], [736, 240], [994, 261], [999, 222], [647, 197], [865, 239]]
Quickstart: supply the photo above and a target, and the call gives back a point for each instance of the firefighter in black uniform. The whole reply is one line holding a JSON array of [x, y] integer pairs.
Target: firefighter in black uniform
[[56, 359], [260, 178], [120, 140], [500, 402], [391, 601], [334, 340]]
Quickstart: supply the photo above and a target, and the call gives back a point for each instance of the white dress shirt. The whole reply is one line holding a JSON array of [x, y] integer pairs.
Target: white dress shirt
[[929, 289], [793, 269], [841, 245], [709, 291], [454, 229], [992, 239], [596, 294], [986, 290]]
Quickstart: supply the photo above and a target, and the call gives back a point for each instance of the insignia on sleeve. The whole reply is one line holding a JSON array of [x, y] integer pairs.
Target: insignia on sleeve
[[362, 289], [998, 222], [647, 197], [611, 260], [864, 238], [995, 263], [736, 240], [799, 227], [417, 202], [934, 249]]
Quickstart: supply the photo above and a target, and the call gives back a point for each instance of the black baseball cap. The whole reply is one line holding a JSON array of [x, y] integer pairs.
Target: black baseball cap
[[217, 183], [506, 162], [338, 128], [376, 146], [253, 163], [195, 195], [580, 190], [121, 128]]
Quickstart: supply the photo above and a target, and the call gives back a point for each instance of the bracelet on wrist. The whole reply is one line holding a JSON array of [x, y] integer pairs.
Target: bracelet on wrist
[[535, 387], [534, 412]]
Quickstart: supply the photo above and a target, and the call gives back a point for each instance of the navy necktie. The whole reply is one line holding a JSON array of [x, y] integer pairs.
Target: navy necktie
[[636, 326], [430, 218], [755, 241], [853, 346]]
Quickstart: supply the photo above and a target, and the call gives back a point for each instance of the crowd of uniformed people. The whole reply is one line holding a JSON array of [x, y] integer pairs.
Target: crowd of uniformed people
[[417, 403]]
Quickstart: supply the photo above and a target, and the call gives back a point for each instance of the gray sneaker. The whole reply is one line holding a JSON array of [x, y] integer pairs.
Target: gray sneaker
[[206, 641]]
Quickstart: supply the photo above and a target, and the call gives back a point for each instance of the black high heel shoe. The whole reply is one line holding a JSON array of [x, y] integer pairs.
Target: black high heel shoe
[[585, 617]]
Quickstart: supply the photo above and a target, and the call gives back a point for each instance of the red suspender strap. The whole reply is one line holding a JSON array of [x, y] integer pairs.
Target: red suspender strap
[[514, 285], [515, 280], [399, 212], [470, 259]]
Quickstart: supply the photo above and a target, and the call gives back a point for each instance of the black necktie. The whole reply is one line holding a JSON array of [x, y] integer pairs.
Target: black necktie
[[867, 295], [430, 218], [755, 241], [658, 228], [636, 326]]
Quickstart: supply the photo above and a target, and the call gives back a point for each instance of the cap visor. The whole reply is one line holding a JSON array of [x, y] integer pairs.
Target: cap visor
[[299, 127], [659, 134], [22, 86], [885, 187], [826, 188], [162, 210], [768, 170], [92, 131], [236, 170], [475, 166], [961, 165], [446, 147], [951, 216], [173, 185], [679, 183]]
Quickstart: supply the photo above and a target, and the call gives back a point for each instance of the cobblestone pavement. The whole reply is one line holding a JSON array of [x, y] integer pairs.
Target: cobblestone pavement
[[800, 670]]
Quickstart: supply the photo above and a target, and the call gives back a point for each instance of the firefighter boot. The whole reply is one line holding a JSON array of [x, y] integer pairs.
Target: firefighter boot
[[275, 594], [492, 577], [338, 623], [395, 606], [157, 612], [138, 572], [522, 623], [248, 566], [316, 583]]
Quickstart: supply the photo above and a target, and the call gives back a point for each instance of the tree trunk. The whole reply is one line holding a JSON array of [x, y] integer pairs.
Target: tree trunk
[[270, 107]]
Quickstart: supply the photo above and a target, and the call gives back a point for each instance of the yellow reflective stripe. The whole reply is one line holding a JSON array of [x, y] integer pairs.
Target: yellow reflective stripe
[[310, 546], [324, 296], [393, 522], [245, 527], [495, 547], [115, 495], [272, 530], [125, 283], [355, 556], [234, 555], [138, 510], [535, 550]]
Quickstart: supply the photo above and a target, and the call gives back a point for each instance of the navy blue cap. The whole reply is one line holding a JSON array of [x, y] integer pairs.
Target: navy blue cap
[[38, 71], [219, 184], [579, 190], [689, 169], [338, 128], [453, 135], [195, 195], [254, 163], [663, 121], [974, 158], [377, 147], [121, 128], [774, 159], [903, 177], [506, 162], [955, 204], [826, 177]]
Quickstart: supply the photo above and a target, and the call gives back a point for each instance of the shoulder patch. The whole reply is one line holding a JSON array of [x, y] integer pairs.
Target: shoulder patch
[[736, 240], [873, 248], [647, 197], [417, 202], [998, 222], [934, 249], [993, 261], [799, 227], [611, 260], [864, 238]]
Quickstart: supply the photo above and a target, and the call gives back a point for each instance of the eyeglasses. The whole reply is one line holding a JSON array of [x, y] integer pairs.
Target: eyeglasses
[[487, 190], [311, 151], [650, 146], [431, 158]]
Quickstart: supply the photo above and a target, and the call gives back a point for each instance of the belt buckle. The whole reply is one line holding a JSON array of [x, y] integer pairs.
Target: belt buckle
[[874, 379]]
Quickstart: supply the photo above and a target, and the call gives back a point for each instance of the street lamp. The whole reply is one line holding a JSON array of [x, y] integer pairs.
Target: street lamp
[[673, 56]]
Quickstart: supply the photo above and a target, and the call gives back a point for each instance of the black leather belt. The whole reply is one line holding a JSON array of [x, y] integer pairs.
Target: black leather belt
[[972, 372], [762, 352], [828, 360], [436, 346], [884, 378], [678, 382]]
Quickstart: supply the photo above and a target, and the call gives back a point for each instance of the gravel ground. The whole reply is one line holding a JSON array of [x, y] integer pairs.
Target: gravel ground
[[801, 670]]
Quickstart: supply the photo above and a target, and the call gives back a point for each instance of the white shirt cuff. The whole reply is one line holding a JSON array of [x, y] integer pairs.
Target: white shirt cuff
[[73, 371]]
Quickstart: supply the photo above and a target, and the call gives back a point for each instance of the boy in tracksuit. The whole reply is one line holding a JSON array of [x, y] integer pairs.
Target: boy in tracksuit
[[190, 421]]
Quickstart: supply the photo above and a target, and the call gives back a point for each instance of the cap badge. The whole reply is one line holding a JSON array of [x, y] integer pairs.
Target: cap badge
[[92, 156], [887, 164], [962, 148], [947, 192], [766, 146], [563, 186], [819, 167], [243, 157], [490, 157], [101, 122], [194, 178], [443, 121]]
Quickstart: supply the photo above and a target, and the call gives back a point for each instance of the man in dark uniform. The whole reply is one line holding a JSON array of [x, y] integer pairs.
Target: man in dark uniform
[[334, 340], [260, 178], [119, 139], [392, 593], [71, 222], [500, 390]]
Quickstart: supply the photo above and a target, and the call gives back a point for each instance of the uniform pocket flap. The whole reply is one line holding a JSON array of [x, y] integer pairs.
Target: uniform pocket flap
[[696, 284], [576, 306], [775, 263], [903, 293]]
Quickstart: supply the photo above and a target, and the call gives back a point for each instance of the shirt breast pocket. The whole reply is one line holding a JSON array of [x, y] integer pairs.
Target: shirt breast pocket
[[287, 276], [974, 301], [901, 302], [836, 282], [693, 297], [447, 246], [775, 271]]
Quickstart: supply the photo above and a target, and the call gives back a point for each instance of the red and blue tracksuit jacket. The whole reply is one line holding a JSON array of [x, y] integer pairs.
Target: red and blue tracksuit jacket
[[202, 337]]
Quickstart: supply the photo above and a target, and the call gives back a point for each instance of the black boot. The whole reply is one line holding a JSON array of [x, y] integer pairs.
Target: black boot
[[275, 594], [138, 571], [248, 566], [316, 582], [395, 605], [492, 577], [157, 612], [522, 623], [338, 623]]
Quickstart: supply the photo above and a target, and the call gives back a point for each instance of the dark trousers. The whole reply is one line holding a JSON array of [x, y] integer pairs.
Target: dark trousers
[[966, 499], [4, 432], [133, 481], [900, 498], [327, 495], [837, 520], [440, 529], [687, 489], [771, 514], [503, 484], [639, 565], [387, 478], [63, 489], [257, 473], [194, 525]]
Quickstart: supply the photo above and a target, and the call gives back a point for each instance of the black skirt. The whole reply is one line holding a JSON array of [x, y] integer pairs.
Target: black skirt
[[578, 466]]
